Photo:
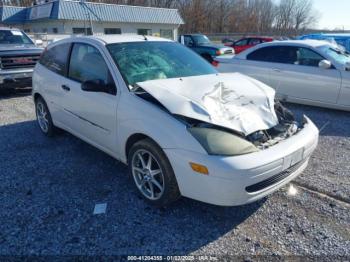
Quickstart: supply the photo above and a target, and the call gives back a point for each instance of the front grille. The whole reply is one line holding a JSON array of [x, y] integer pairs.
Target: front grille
[[274, 179], [20, 61], [228, 52]]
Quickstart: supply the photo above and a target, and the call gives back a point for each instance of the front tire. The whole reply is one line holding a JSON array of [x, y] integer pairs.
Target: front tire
[[152, 173], [43, 117]]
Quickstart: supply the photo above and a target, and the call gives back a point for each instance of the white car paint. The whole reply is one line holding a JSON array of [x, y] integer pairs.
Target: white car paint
[[310, 85], [107, 122]]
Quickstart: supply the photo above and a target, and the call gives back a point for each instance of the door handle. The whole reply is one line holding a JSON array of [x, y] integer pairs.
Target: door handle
[[66, 88], [276, 70]]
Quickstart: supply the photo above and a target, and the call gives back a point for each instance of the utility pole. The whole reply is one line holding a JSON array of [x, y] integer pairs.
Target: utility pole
[[91, 25], [82, 3], [88, 17]]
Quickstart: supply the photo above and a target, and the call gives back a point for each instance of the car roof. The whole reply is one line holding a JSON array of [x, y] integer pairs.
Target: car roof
[[111, 39], [308, 42], [329, 34], [123, 38], [258, 37], [304, 43]]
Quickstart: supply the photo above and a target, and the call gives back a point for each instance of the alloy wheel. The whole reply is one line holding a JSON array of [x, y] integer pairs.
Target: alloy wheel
[[42, 116], [147, 174]]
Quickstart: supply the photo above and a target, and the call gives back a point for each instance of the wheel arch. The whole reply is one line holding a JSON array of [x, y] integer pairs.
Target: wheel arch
[[134, 138], [36, 96]]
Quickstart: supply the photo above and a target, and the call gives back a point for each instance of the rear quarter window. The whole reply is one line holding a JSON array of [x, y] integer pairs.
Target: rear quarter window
[[55, 58], [265, 54], [275, 54]]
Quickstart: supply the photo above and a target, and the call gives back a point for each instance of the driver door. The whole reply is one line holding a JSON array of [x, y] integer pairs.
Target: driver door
[[241, 45], [296, 76], [90, 114]]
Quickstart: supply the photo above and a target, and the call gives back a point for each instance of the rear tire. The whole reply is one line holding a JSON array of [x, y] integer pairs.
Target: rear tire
[[152, 173], [43, 117]]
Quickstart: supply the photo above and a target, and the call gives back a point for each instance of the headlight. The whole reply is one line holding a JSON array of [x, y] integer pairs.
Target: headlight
[[219, 52], [217, 142]]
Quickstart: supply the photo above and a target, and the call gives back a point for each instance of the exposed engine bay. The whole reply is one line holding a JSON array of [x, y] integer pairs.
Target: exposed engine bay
[[248, 113], [286, 128], [262, 139], [233, 101]]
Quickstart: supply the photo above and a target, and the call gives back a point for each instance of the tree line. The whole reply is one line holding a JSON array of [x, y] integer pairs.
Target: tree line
[[284, 17]]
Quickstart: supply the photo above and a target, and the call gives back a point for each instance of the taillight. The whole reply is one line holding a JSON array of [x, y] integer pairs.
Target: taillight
[[215, 63]]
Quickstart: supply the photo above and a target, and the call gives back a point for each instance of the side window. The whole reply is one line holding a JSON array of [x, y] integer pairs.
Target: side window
[[87, 64], [254, 41], [55, 58], [144, 31], [167, 33], [265, 54], [82, 31], [242, 42], [307, 57], [275, 54], [112, 31], [188, 40], [286, 55]]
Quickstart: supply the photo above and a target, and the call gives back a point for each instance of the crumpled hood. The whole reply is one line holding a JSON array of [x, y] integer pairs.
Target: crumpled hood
[[233, 101]]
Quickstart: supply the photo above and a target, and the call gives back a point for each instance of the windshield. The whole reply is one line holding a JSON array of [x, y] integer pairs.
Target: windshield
[[143, 61], [14, 37], [340, 56], [201, 39]]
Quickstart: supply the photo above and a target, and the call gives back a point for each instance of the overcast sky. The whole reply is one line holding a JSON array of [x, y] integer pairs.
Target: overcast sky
[[334, 13]]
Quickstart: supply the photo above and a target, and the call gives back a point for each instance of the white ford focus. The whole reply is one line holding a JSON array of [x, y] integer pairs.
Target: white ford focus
[[182, 128]]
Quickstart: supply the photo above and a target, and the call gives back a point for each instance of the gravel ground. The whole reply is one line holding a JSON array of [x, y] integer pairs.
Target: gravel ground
[[49, 188]]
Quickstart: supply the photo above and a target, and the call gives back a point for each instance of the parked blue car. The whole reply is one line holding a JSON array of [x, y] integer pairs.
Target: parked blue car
[[340, 39]]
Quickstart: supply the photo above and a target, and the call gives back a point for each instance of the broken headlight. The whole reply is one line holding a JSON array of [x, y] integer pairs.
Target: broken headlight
[[217, 142]]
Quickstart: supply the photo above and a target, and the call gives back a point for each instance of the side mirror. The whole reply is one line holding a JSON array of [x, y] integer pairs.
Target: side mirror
[[325, 64], [98, 86], [347, 66], [93, 86], [39, 42]]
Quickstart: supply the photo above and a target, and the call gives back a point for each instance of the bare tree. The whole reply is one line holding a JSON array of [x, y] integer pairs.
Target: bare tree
[[287, 17], [305, 16], [295, 15]]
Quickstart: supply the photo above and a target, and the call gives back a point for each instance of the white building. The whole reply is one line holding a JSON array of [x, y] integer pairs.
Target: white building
[[80, 17]]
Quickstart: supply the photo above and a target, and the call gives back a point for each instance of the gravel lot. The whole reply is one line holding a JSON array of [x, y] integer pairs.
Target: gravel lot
[[49, 188]]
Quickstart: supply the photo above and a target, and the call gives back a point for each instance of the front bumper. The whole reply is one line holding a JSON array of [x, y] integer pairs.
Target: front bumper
[[16, 78], [244, 179]]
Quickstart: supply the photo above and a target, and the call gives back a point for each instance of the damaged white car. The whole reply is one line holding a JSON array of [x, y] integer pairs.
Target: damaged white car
[[182, 128]]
